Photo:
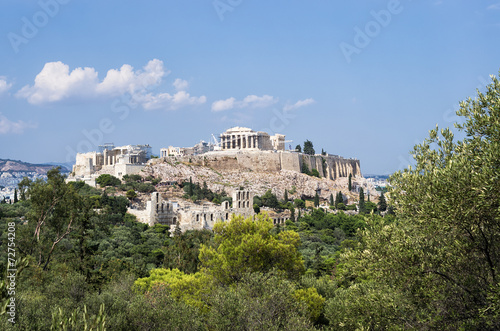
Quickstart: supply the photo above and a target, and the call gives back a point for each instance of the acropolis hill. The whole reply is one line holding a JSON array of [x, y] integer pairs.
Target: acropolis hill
[[239, 149], [242, 160]]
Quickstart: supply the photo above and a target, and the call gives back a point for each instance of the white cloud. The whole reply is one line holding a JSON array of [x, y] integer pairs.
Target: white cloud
[[254, 101], [7, 126], [495, 6], [125, 80], [169, 101], [55, 83], [181, 84], [4, 86], [299, 104], [251, 101], [221, 105]]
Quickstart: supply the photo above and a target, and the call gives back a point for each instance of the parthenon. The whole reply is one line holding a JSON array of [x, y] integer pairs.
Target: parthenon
[[244, 138]]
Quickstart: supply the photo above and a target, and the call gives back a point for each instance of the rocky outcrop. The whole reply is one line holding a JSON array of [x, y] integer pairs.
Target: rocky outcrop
[[227, 173], [328, 166]]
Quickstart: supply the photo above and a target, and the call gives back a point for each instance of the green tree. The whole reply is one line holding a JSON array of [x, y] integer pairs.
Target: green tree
[[382, 204], [349, 185], [23, 186], [305, 168], [246, 245], [315, 173], [270, 200], [437, 266], [370, 207], [285, 198], [131, 195], [107, 180], [15, 196], [190, 191], [158, 309], [298, 148], [323, 152], [308, 148], [316, 200], [339, 199], [263, 302], [299, 203], [56, 211], [361, 205], [332, 202]]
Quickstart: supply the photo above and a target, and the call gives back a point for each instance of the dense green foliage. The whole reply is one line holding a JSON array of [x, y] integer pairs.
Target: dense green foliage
[[244, 246], [196, 192], [436, 267], [138, 184], [107, 180]]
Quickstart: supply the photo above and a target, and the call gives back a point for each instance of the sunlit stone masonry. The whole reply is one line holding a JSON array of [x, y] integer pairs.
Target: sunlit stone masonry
[[239, 138]]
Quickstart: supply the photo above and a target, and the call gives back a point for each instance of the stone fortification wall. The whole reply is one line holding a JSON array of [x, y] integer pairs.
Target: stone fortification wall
[[269, 161], [332, 166]]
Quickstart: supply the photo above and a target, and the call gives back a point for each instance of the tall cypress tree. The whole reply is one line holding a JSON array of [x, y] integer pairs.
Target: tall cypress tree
[[331, 200], [339, 199], [190, 188], [382, 204], [350, 183], [286, 196], [361, 201], [15, 196], [316, 200]]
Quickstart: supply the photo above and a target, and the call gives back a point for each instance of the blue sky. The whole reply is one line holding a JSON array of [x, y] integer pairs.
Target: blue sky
[[363, 79]]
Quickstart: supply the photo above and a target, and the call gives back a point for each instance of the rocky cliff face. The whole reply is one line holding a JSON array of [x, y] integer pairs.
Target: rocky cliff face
[[328, 166], [220, 174]]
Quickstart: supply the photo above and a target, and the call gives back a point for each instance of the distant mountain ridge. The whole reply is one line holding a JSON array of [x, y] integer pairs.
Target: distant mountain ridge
[[7, 165]]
